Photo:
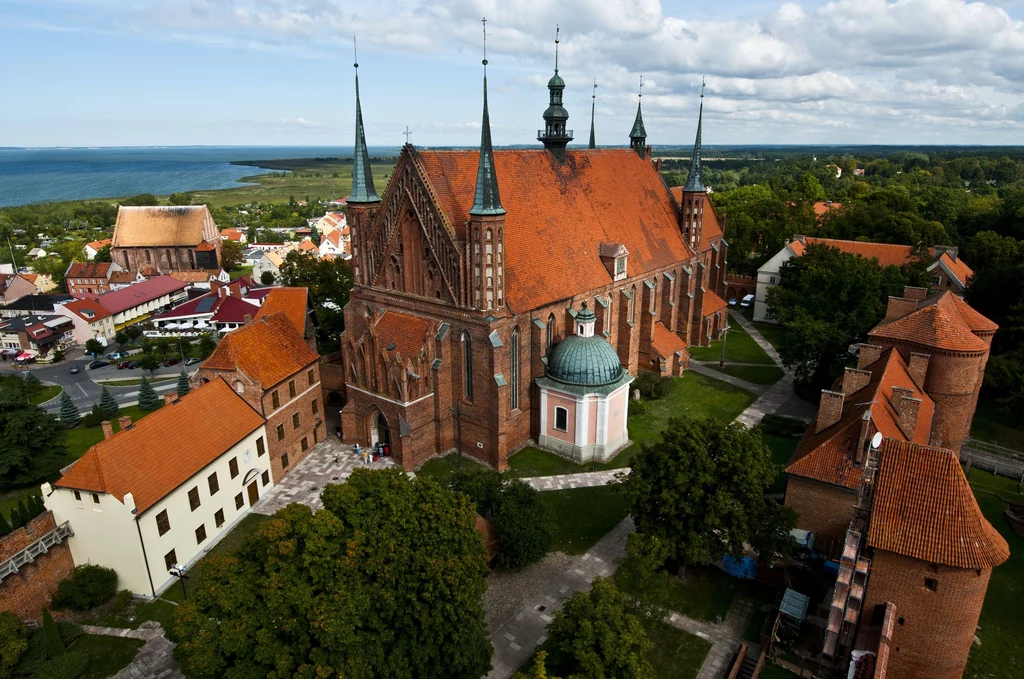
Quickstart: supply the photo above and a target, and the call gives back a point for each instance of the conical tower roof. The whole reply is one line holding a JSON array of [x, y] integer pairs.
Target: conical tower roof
[[486, 200], [695, 182], [363, 190], [593, 103]]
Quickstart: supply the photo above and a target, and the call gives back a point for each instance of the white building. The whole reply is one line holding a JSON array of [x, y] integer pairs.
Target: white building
[[337, 243], [163, 491], [768, 277], [270, 261]]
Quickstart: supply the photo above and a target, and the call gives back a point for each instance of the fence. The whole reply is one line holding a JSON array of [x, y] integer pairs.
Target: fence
[[994, 458]]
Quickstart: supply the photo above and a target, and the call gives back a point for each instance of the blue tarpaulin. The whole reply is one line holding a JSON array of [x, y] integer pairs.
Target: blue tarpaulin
[[740, 567]]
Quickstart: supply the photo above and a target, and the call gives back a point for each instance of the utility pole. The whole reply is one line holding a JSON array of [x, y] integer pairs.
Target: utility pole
[[14, 262], [725, 333], [457, 411]]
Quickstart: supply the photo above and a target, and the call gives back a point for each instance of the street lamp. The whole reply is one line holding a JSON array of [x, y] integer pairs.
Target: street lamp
[[725, 333], [182, 575]]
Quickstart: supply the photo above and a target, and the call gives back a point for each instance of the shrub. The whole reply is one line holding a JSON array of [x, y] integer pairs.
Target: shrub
[[69, 632], [52, 642], [68, 666], [32, 381], [13, 643], [637, 408], [89, 586], [523, 525], [94, 418], [652, 386], [483, 486], [124, 599], [777, 425]]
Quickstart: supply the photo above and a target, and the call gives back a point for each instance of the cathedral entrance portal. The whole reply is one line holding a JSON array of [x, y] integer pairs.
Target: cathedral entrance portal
[[379, 430]]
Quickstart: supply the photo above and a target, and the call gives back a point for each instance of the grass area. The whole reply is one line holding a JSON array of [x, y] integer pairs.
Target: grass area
[[707, 592], [782, 448], [583, 516], [45, 394], [135, 381], [439, 468], [771, 332], [532, 461], [768, 374], [995, 426], [676, 654], [131, 616], [296, 178], [107, 655], [739, 348], [9, 498], [1006, 488], [1001, 655], [239, 272]]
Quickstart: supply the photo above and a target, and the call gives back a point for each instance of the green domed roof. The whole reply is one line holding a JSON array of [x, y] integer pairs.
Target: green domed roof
[[556, 81], [586, 361]]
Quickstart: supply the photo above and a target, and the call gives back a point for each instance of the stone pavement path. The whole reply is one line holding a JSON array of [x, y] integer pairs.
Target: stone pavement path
[[329, 462], [725, 637], [581, 480], [758, 337], [153, 660], [707, 370]]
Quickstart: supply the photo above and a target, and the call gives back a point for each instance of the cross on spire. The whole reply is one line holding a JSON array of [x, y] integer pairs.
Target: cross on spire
[[484, 22], [638, 135], [407, 133]]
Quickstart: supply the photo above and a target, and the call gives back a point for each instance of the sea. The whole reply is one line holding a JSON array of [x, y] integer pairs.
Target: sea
[[34, 175]]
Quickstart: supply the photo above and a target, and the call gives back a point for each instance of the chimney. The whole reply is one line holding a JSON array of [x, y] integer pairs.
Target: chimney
[[854, 380], [868, 354], [919, 294], [918, 368], [170, 397], [108, 429], [907, 407], [862, 438], [899, 307], [830, 410], [247, 319], [124, 422]]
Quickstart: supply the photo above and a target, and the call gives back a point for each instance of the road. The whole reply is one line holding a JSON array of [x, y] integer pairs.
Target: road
[[83, 389]]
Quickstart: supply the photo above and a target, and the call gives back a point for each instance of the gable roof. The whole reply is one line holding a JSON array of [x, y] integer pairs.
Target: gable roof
[[268, 350], [924, 508], [89, 270], [885, 253], [139, 293], [666, 342], [167, 447], [562, 212], [292, 302], [944, 322], [401, 333], [154, 226], [97, 244], [87, 309], [334, 237], [956, 268], [711, 304]]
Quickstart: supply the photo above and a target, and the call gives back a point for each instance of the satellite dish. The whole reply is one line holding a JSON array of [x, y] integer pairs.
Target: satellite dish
[[876, 440]]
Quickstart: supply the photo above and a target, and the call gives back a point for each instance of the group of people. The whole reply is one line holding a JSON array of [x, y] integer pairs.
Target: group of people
[[380, 450]]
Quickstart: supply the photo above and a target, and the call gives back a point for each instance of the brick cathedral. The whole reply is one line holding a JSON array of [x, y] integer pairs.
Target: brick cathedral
[[474, 266]]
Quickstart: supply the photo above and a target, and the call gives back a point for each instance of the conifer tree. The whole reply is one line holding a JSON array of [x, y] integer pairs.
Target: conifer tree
[[108, 403], [23, 509], [183, 387], [5, 528], [31, 379], [52, 642], [16, 520], [148, 400], [68, 412]]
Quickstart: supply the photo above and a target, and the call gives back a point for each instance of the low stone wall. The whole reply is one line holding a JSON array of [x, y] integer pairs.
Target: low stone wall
[[27, 592]]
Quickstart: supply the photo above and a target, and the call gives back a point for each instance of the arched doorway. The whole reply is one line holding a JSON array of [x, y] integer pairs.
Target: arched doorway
[[379, 430]]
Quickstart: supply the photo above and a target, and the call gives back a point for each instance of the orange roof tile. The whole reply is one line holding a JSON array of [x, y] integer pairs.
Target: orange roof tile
[[924, 508], [89, 270], [562, 212], [943, 322], [798, 248], [406, 334], [159, 226], [205, 246], [666, 342], [167, 447], [293, 302], [307, 246], [712, 304], [84, 307], [334, 237], [821, 208], [957, 267], [268, 350], [97, 244], [886, 254]]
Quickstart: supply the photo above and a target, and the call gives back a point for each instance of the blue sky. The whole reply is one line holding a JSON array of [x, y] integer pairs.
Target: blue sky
[[172, 72]]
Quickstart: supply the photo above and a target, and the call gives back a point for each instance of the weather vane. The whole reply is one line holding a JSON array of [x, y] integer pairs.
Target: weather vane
[[556, 47], [407, 133], [641, 87], [484, 22], [355, 54]]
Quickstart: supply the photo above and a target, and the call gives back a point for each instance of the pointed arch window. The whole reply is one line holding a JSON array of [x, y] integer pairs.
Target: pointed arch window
[[514, 368], [551, 331], [149, 257], [191, 259], [467, 366], [632, 303], [127, 264], [167, 253]]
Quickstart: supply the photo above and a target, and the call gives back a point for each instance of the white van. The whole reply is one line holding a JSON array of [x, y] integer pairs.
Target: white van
[[747, 301]]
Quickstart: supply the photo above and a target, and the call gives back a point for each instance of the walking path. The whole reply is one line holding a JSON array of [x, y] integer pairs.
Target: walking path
[[758, 337], [581, 480], [153, 661], [706, 370], [725, 637]]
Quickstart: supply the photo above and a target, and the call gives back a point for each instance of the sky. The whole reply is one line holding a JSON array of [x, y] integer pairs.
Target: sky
[[279, 72]]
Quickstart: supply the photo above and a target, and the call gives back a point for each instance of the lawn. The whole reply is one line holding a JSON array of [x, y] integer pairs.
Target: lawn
[[107, 655], [758, 374], [9, 498], [135, 381], [133, 615], [782, 448], [771, 332], [995, 426], [1006, 488], [739, 348], [81, 438], [439, 468], [45, 394], [1001, 654], [239, 272], [676, 654], [583, 516]]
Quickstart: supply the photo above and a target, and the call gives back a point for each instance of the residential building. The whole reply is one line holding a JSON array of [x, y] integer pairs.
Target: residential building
[[337, 243], [13, 287], [95, 246], [91, 321], [454, 318], [233, 234], [329, 222], [34, 304], [166, 239], [90, 277], [201, 278], [949, 271], [268, 363], [102, 316], [294, 303], [271, 262], [38, 334], [34, 254], [162, 491], [307, 247]]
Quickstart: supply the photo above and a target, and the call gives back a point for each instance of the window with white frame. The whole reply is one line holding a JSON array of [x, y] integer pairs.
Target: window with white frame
[[561, 419]]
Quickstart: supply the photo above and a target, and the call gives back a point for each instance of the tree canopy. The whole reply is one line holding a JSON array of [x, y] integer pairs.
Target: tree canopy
[[32, 442], [386, 581], [329, 282]]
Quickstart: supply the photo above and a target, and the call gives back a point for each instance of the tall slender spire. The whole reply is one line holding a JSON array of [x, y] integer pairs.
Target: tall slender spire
[[593, 103], [486, 201], [555, 136], [695, 182], [638, 135], [362, 174]]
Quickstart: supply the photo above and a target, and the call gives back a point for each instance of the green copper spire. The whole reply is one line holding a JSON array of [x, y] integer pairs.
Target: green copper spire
[[638, 135], [695, 182], [555, 136], [486, 201], [593, 102], [362, 175]]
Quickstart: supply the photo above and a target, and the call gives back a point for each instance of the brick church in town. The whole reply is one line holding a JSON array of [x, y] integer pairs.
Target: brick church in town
[[475, 267]]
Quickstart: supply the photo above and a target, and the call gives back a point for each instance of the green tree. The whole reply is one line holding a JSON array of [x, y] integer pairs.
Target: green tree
[[58, 355], [32, 442], [108, 403], [267, 278], [329, 282], [700, 492], [13, 640], [183, 387], [523, 525], [206, 346], [69, 414], [148, 400], [538, 669], [148, 362], [133, 332], [121, 338], [141, 200], [163, 346], [180, 199], [231, 255], [32, 382], [51, 636], [5, 529], [385, 581], [826, 301], [102, 255], [598, 635], [93, 347]]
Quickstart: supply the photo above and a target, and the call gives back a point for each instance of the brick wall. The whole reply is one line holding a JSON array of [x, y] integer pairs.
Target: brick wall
[[29, 590], [823, 509], [934, 629], [311, 425]]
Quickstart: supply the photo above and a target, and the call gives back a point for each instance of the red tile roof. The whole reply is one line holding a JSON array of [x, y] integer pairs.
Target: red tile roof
[[562, 212], [234, 310], [943, 322], [98, 244], [821, 208], [269, 350], [924, 508], [406, 333], [167, 447], [961, 271], [293, 302], [140, 293], [88, 270], [886, 254], [83, 307], [232, 234], [205, 246], [666, 342], [712, 304]]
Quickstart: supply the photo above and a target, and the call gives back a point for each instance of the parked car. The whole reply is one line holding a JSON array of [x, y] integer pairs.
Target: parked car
[[98, 364], [193, 361], [732, 302], [132, 365], [74, 371], [124, 365], [747, 301], [168, 362]]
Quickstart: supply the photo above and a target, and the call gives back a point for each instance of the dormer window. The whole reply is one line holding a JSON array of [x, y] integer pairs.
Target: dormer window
[[620, 268], [614, 256]]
